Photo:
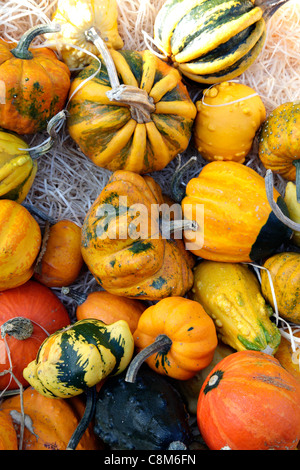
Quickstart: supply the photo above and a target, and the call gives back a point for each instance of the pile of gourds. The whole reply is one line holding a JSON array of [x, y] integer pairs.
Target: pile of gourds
[[181, 325]]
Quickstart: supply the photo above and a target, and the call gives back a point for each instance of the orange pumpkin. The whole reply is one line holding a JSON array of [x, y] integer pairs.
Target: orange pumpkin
[[175, 337], [53, 421], [8, 437], [249, 402]]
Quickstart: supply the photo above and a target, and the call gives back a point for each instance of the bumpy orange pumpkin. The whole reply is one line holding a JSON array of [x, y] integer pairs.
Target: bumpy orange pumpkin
[[249, 402]]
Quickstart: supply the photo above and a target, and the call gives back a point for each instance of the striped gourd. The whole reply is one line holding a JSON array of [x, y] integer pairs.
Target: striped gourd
[[212, 40]]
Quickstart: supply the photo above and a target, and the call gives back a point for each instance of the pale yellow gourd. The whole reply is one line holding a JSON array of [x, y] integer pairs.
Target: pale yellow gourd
[[77, 16], [290, 198], [228, 117]]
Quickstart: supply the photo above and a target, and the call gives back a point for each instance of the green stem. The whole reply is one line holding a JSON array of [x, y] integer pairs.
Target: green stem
[[161, 344], [297, 165], [91, 395], [21, 50], [79, 297], [39, 213], [54, 124], [177, 185]]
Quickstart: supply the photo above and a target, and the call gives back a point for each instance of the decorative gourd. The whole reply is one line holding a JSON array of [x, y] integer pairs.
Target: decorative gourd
[[36, 83], [290, 198], [175, 337], [289, 358], [127, 244], [211, 42], [279, 142], [135, 114], [146, 415], [284, 269], [49, 423], [75, 17], [78, 357], [8, 437], [28, 314], [250, 402], [20, 242], [230, 294], [235, 220], [228, 117], [106, 307]]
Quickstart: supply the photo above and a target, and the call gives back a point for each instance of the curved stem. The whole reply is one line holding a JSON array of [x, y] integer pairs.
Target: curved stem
[[54, 124], [141, 105], [177, 186], [79, 297], [161, 344], [39, 213], [167, 227], [269, 7], [18, 327], [297, 165], [21, 50], [275, 208], [87, 417]]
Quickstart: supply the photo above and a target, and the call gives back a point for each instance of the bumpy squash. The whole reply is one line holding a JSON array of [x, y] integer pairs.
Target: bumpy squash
[[135, 114], [230, 294], [213, 41], [235, 220], [36, 84], [228, 117], [77, 16], [279, 142], [250, 387], [78, 357], [20, 242], [125, 245], [290, 198], [284, 269]]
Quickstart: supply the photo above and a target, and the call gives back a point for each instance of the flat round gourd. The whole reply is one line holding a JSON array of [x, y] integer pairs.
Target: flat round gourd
[[135, 114], [146, 415]]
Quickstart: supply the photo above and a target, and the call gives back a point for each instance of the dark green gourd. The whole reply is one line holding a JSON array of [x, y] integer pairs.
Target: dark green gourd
[[148, 414]]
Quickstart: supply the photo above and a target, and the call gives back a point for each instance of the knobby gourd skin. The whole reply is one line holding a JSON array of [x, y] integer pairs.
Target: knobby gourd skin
[[210, 42], [20, 242], [231, 295], [105, 130], [127, 253], [236, 219], [80, 356], [284, 269]]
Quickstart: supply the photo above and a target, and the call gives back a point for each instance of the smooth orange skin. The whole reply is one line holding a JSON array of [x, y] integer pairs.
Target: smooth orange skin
[[62, 260], [54, 420], [191, 330], [8, 436], [110, 308], [254, 406], [42, 81], [20, 242], [287, 357]]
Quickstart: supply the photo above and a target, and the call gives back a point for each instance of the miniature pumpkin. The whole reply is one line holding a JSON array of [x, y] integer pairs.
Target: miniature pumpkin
[[290, 198], [135, 114], [75, 17], [175, 337], [288, 356], [279, 142], [36, 83], [28, 314], [228, 117], [49, 424], [128, 246], [284, 269], [20, 242], [235, 220], [211, 42], [230, 293], [106, 307], [249, 402]]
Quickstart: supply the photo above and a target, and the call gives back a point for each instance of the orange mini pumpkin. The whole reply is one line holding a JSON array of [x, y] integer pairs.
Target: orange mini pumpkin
[[175, 337]]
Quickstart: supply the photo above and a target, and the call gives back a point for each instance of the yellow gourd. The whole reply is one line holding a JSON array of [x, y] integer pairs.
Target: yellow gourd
[[228, 117], [77, 16], [290, 198]]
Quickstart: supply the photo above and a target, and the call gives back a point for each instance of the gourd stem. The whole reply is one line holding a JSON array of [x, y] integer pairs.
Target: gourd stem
[[297, 165], [18, 327], [167, 227], [54, 124], [79, 297], [177, 187], [140, 104], [39, 213], [21, 50], [269, 7], [161, 344], [275, 208], [87, 417]]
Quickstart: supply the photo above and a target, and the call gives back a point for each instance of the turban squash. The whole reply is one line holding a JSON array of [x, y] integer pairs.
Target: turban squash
[[138, 124], [36, 84], [124, 245]]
